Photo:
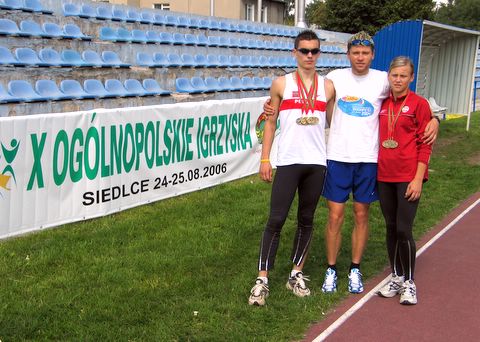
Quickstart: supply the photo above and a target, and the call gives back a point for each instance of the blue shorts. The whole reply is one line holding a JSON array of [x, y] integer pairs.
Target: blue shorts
[[345, 178]]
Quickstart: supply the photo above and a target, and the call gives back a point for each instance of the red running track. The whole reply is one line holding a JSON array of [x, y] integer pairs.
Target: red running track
[[447, 276]]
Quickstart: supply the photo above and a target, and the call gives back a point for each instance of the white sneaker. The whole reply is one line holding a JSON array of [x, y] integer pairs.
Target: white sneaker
[[408, 294], [330, 282], [355, 284], [298, 286], [258, 293], [393, 287]]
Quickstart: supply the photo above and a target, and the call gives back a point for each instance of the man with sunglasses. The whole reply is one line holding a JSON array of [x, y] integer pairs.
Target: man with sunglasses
[[352, 153], [299, 101]]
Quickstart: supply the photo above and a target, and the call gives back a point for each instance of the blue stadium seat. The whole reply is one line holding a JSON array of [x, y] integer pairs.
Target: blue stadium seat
[[73, 58], [166, 38], [178, 38], [9, 28], [71, 10], [152, 37], [93, 58], [174, 60], [139, 36], [243, 43], [74, 89], [246, 61], [223, 61], [146, 17], [24, 91], [116, 88], [108, 33], [124, 35], [183, 85], [159, 19], [29, 57], [201, 60], [203, 24], [110, 58], [35, 6], [51, 57], [132, 16], [187, 60], [152, 87], [273, 62], [104, 13], [212, 84], [213, 40], [212, 60], [53, 30], [183, 21], [50, 90], [236, 83], [194, 23], [96, 88], [6, 57], [5, 97], [190, 39], [223, 25], [160, 60], [225, 84], [214, 24], [119, 14], [73, 31], [202, 39], [199, 84], [234, 42], [134, 87], [11, 4], [234, 61], [241, 28], [87, 12], [247, 83], [145, 60], [32, 29], [171, 20], [257, 82], [264, 62], [223, 41], [267, 82]]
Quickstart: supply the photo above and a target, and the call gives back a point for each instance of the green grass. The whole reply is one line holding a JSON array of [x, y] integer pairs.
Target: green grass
[[140, 275]]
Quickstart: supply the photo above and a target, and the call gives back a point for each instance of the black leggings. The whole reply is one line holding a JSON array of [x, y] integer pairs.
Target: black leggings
[[308, 179], [399, 215]]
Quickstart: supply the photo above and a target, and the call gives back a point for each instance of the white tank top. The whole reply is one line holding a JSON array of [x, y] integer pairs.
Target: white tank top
[[297, 143]]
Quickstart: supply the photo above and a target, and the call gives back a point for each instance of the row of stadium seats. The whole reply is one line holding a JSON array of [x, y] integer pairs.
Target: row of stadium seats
[[47, 90], [48, 57], [211, 84], [30, 28], [24, 5], [154, 37], [119, 13]]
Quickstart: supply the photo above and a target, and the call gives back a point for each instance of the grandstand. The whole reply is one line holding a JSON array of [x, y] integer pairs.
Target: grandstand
[[68, 56]]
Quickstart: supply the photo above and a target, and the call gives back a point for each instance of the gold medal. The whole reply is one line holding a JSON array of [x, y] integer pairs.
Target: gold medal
[[390, 143]]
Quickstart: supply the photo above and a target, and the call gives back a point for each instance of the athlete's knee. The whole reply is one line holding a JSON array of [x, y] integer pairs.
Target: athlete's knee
[[404, 235]]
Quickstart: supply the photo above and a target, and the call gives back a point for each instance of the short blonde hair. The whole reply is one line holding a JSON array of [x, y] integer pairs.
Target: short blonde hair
[[401, 61], [361, 38]]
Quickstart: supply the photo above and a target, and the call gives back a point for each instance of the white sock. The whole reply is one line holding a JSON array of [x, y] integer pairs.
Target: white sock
[[264, 279]]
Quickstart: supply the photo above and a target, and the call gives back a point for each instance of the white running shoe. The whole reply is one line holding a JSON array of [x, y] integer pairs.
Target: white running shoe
[[393, 287], [298, 286], [330, 282], [355, 284], [408, 295], [258, 293]]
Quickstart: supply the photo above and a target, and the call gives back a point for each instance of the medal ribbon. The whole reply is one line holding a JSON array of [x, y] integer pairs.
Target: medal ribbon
[[307, 98], [392, 118]]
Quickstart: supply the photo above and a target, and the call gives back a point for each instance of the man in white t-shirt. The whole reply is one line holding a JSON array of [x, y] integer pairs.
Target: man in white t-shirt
[[352, 152]]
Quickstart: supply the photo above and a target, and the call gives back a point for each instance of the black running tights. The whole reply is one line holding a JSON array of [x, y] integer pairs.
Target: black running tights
[[399, 215], [308, 179]]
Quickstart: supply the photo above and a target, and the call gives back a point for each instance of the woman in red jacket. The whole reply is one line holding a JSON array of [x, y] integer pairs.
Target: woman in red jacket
[[402, 169]]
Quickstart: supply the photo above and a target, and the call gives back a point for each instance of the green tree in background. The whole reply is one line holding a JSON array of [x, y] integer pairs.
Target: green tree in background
[[460, 13], [369, 15]]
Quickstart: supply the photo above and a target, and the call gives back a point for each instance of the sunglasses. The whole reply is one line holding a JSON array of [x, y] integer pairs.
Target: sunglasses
[[307, 51], [364, 42]]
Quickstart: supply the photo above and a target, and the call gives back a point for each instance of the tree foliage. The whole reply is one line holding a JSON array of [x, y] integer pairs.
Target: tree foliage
[[461, 13], [368, 15]]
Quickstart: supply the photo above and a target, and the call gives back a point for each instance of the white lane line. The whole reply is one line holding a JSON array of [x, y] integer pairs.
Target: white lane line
[[335, 325]]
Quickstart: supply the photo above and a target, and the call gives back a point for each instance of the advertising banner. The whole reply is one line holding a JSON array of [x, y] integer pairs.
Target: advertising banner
[[60, 168]]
